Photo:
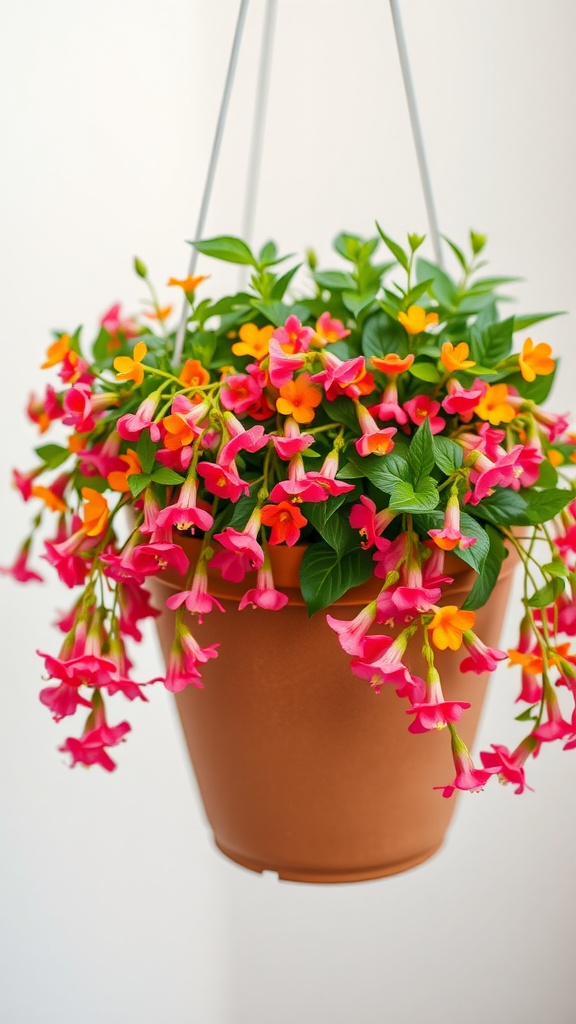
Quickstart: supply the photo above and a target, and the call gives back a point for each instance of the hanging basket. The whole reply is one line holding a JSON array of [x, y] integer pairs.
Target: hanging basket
[[302, 768]]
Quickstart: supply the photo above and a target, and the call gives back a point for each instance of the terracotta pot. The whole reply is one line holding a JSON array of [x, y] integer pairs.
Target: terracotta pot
[[302, 768]]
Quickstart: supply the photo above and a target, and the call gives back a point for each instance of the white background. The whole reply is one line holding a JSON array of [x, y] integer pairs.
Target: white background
[[114, 905]]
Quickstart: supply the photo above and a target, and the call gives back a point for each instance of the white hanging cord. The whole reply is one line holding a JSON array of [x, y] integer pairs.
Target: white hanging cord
[[416, 130], [224, 105], [259, 125]]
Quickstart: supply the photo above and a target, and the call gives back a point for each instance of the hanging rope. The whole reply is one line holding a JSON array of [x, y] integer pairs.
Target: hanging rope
[[224, 105], [416, 130], [257, 144]]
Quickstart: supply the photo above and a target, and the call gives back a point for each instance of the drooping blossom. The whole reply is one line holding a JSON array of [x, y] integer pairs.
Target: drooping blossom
[[197, 600], [184, 513], [343, 377], [91, 747], [509, 767], [375, 440], [448, 626], [19, 569], [468, 778], [242, 553], [461, 401], [351, 635], [264, 595], [388, 408], [434, 711], [293, 442], [285, 520], [480, 657], [131, 425], [370, 523], [451, 536]]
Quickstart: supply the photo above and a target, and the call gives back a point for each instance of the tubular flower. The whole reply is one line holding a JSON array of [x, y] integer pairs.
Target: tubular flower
[[264, 595], [293, 442], [193, 374], [254, 341], [494, 406], [462, 401], [95, 512], [392, 364], [448, 625], [351, 634], [197, 600], [434, 712], [293, 337], [455, 357], [285, 520], [535, 360], [299, 398], [451, 536], [182, 425], [480, 657], [417, 320], [57, 351], [467, 776], [329, 329], [19, 570], [187, 284], [368, 521], [510, 766], [97, 736], [130, 368], [421, 408]]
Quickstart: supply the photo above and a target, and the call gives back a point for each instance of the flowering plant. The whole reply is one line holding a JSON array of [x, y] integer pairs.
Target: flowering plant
[[380, 424]]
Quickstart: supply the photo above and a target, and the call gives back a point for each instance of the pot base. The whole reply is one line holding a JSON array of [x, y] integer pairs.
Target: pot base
[[288, 874]]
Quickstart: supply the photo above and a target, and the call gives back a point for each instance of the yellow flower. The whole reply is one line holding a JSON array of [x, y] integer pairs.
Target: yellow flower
[[254, 341], [494, 407], [130, 368], [455, 357], [448, 625], [417, 319], [535, 361]]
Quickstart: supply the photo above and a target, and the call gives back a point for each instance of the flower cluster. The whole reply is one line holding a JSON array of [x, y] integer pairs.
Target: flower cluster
[[380, 424]]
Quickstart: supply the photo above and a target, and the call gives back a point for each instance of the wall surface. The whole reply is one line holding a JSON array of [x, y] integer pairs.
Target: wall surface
[[114, 905]]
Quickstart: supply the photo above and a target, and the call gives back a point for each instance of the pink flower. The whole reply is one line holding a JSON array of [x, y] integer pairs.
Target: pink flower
[[556, 727], [298, 485], [19, 570], [487, 475], [374, 441], [185, 655], [389, 555], [329, 329], [62, 700], [293, 337], [371, 524], [326, 478], [481, 658], [351, 635], [149, 559], [434, 712], [381, 661], [131, 425], [264, 595], [197, 600], [239, 392], [184, 513], [283, 365], [25, 481], [412, 596], [242, 552], [510, 766], [388, 407], [467, 776], [134, 602], [423, 407], [78, 408], [293, 441], [114, 323], [223, 481], [348, 377], [451, 536], [91, 747], [528, 462], [251, 440], [462, 401]]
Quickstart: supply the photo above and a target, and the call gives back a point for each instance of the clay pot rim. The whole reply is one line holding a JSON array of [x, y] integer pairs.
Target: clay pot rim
[[286, 571]]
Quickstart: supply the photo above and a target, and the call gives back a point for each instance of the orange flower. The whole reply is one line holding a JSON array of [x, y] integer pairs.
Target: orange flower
[[494, 407], [530, 662], [57, 351], [535, 361], [95, 512], [455, 357], [555, 457], [193, 374], [286, 521], [179, 433], [187, 284], [299, 398], [51, 500], [392, 363], [76, 442], [118, 478], [416, 320], [448, 625], [130, 368], [161, 313], [254, 341]]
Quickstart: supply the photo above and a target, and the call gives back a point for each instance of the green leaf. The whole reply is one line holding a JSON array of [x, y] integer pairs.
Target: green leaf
[[425, 371], [243, 509], [547, 476], [547, 594], [201, 346], [529, 715], [325, 576], [477, 554], [394, 248], [53, 455], [503, 508], [278, 313], [165, 476], [443, 287], [544, 505], [281, 284], [422, 497], [491, 344], [381, 336], [137, 483], [488, 575], [417, 292], [227, 248], [556, 568], [335, 280], [146, 451], [522, 323], [447, 454], [385, 472], [354, 248], [332, 525], [421, 452], [457, 252], [356, 302]]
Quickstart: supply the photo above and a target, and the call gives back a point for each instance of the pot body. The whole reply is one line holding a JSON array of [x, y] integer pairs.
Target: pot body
[[303, 769]]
